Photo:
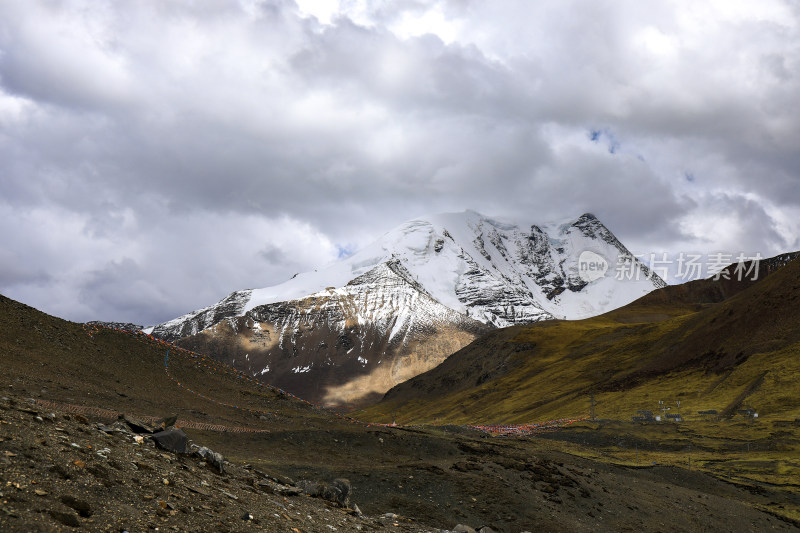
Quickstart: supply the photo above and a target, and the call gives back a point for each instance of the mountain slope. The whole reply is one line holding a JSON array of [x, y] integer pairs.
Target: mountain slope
[[672, 344], [344, 345], [432, 480], [348, 332]]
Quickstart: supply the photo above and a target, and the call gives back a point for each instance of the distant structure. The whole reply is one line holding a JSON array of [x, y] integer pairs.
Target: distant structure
[[663, 408], [644, 415], [748, 412], [674, 417]]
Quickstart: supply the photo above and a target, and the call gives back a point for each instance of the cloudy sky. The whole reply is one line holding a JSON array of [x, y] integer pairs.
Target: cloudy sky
[[157, 155]]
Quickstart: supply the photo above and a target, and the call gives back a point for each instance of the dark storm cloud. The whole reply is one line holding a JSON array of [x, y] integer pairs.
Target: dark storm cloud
[[156, 156], [119, 287]]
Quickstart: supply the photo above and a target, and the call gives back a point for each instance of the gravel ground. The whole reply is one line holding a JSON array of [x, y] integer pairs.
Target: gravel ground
[[61, 473]]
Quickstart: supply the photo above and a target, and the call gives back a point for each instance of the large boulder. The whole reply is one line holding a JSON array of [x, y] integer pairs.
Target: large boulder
[[166, 422], [213, 458], [172, 440], [338, 491], [136, 425]]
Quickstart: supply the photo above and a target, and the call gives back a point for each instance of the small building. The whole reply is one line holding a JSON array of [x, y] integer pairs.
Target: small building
[[644, 416]]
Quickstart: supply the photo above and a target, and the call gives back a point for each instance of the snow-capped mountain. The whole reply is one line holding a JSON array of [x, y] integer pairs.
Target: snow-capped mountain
[[343, 345], [401, 305]]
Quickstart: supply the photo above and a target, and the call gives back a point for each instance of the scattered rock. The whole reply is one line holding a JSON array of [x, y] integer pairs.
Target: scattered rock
[[461, 528], [312, 488], [212, 457], [337, 492], [247, 516], [198, 491], [289, 491], [277, 478], [103, 452], [110, 429], [136, 425], [172, 440], [167, 421]]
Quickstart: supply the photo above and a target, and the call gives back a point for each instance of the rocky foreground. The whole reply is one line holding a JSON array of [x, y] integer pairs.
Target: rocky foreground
[[63, 472]]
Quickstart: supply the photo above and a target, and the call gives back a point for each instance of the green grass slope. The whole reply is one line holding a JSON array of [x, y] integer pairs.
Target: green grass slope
[[687, 344]]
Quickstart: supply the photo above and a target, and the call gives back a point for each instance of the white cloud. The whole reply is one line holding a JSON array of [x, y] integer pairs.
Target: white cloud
[[163, 154]]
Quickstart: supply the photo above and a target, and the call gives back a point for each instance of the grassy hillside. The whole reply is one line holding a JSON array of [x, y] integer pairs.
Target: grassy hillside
[[697, 347], [674, 345]]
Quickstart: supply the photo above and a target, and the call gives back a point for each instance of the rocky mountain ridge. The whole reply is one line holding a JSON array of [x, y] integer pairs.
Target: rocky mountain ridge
[[351, 330], [342, 345], [125, 326]]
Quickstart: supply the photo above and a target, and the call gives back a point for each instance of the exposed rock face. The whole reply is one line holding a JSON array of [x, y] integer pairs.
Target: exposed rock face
[[197, 321], [125, 326], [351, 331], [343, 345]]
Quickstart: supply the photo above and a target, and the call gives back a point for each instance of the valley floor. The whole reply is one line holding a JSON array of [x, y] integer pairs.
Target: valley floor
[[431, 478]]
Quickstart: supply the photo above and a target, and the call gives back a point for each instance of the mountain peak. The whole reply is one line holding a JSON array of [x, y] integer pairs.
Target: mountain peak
[[399, 306], [499, 271]]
